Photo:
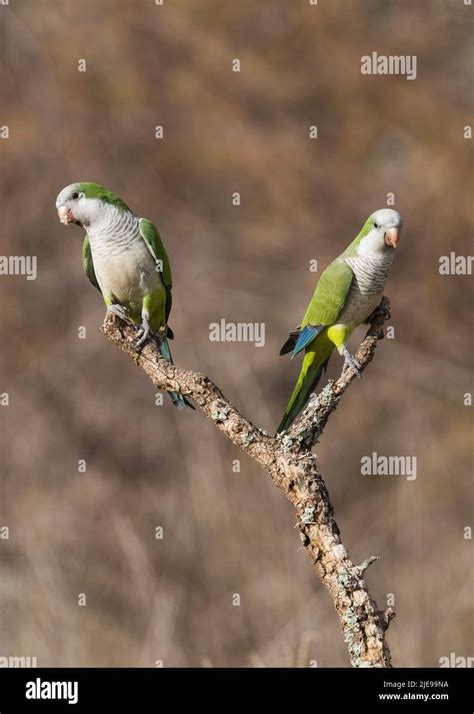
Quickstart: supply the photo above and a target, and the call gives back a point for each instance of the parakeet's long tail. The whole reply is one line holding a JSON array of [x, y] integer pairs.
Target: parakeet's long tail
[[314, 363], [177, 399]]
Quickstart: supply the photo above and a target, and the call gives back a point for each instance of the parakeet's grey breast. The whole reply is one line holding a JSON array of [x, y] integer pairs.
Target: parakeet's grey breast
[[371, 271], [123, 263], [117, 232], [370, 275]]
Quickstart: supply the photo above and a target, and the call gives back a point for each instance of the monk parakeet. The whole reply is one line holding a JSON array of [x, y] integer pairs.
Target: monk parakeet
[[347, 293], [124, 258]]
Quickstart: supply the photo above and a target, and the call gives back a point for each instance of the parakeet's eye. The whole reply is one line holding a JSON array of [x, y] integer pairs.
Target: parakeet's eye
[[376, 225], [75, 194]]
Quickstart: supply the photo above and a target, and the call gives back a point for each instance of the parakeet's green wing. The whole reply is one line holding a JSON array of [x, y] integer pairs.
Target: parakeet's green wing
[[87, 262], [323, 310], [330, 295], [153, 240], [155, 245]]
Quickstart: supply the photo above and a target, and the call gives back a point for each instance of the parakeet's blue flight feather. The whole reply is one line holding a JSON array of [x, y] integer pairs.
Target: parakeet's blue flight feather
[[306, 336]]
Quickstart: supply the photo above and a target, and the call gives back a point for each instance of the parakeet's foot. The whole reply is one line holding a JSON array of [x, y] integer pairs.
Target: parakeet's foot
[[350, 362], [143, 332], [118, 311]]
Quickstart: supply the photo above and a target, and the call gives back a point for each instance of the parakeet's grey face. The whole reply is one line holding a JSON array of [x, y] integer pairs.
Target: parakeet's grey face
[[74, 207], [384, 227]]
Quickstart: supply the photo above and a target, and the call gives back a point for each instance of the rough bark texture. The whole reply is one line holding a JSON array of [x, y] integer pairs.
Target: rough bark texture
[[293, 468]]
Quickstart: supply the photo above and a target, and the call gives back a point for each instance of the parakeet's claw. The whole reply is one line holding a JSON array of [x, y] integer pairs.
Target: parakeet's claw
[[118, 311], [143, 333], [350, 362]]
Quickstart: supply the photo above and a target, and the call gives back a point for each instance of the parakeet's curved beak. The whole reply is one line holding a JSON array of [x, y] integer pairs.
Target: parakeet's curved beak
[[66, 216], [392, 236]]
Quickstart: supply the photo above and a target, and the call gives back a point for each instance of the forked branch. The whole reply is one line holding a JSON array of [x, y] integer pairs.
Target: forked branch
[[292, 466]]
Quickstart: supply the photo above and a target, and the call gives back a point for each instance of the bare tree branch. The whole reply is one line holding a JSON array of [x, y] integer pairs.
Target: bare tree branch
[[292, 466]]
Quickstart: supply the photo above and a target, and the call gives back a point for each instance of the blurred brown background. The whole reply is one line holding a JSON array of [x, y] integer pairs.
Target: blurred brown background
[[302, 199]]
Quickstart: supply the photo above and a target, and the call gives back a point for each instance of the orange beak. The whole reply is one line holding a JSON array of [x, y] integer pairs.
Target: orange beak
[[392, 236]]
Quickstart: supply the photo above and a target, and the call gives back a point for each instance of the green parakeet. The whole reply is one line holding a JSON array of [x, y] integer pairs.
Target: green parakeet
[[347, 293], [124, 258]]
